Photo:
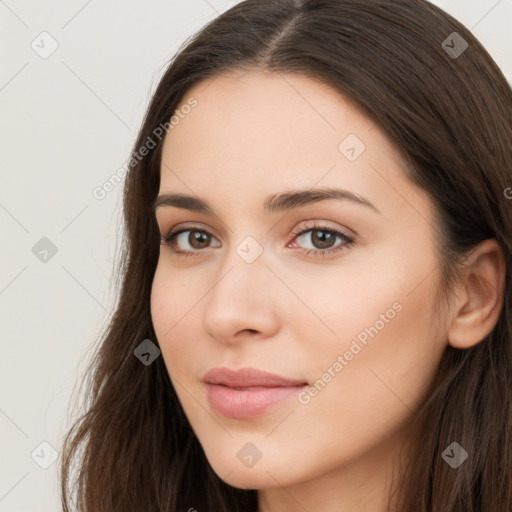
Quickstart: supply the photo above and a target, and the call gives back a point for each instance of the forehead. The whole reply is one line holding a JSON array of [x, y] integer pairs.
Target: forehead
[[241, 112], [256, 132]]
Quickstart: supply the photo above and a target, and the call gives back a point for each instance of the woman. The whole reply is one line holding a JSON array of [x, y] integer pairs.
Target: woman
[[315, 306]]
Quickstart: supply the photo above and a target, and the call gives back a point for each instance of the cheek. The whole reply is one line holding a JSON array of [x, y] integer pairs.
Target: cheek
[[388, 331], [175, 304], [164, 299], [389, 355], [170, 295], [160, 301], [386, 336]]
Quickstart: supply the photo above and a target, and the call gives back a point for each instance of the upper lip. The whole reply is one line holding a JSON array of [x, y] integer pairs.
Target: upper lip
[[248, 377]]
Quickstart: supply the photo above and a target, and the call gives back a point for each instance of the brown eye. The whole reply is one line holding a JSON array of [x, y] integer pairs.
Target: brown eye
[[323, 240], [188, 240]]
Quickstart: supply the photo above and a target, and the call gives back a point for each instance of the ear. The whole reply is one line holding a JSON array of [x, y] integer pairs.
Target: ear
[[478, 305]]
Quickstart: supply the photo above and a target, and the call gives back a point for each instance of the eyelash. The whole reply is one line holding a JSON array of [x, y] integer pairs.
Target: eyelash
[[348, 241]]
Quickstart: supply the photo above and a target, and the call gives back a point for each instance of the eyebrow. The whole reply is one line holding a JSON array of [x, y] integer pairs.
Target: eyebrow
[[285, 201]]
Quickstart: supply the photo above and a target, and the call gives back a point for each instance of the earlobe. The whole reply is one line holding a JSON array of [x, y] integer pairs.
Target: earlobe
[[479, 307]]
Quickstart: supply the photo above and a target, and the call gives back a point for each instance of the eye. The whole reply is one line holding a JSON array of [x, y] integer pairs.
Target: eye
[[196, 238], [322, 238]]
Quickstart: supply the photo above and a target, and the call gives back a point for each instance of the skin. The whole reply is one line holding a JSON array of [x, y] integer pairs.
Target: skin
[[254, 134]]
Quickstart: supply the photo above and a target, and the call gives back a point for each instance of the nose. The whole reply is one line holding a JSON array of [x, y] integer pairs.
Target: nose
[[243, 301]]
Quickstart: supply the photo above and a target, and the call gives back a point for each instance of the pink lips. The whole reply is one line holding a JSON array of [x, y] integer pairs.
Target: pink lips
[[247, 393]]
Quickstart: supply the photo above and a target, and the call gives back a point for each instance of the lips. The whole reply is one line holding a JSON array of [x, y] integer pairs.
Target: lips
[[247, 392], [247, 377]]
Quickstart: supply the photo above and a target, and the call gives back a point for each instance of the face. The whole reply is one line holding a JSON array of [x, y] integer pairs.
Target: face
[[332, 294]]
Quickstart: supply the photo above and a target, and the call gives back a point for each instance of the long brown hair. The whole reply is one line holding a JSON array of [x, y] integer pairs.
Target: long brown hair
[[448, 108]]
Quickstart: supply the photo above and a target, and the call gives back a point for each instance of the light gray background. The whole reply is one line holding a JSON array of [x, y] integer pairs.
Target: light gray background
[[67, 124]]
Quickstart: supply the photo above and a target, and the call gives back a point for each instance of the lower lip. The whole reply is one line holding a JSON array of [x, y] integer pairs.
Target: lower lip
[[250, 402]]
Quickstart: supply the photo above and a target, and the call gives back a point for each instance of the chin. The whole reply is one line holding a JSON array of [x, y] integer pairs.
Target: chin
[[245, 478], [264, 474]]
